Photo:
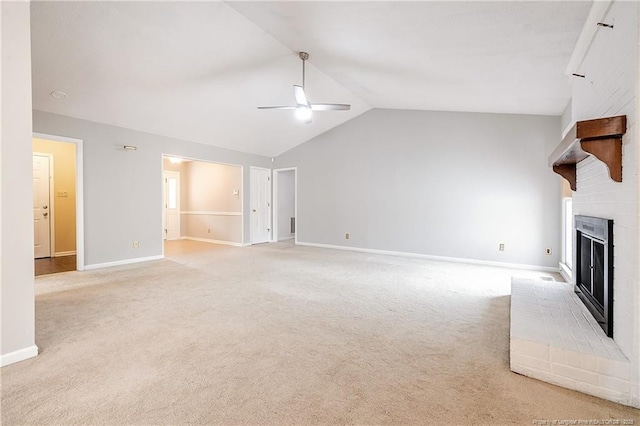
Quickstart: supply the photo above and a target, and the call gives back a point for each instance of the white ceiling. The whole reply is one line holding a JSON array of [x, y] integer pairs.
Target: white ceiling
[[197, 71]]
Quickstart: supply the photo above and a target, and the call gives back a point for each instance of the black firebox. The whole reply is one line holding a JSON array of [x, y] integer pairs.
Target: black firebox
[[594, 268]]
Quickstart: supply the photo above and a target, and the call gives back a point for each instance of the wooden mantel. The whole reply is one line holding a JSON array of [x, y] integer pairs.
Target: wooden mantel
[[601, 138]]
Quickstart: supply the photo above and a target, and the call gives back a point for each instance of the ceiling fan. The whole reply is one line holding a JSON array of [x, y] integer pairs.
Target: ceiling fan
[[303, 108]]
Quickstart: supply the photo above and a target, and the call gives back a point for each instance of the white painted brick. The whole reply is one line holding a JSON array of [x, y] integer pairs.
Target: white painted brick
[[611, 89], [575, 373], [612, 383], [558, 355], [573, 359], [605, 366], [621, 370], [588, 365], [588, 362], [531, 349], [557, 380], [531, 362], [620, 397]]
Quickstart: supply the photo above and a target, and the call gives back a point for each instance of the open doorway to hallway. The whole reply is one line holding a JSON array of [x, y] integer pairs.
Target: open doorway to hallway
[[55, 204], [284, 204], [202, 201]]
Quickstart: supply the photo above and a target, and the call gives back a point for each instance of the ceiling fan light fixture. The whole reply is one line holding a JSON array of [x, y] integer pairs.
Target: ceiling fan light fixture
[[303, 108], [303, 113]]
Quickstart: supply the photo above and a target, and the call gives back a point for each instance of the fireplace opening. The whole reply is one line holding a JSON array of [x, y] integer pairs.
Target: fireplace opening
[[594, 268]]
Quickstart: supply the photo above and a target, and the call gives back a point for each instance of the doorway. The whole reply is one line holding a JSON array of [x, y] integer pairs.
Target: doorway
[[260, 201], [58, 204], [202, 201], [284, 204]]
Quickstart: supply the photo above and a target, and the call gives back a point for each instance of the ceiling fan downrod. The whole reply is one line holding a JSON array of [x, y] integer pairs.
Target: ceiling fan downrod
[[304, 56]]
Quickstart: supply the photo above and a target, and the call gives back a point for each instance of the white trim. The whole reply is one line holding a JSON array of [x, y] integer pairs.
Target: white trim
[[566, 273], [19, 355], [284, 239], [432, 257], [204, 212], [123, 262], [243, 215], [209, 240], [598, 12], [64, 253], [79, 192]]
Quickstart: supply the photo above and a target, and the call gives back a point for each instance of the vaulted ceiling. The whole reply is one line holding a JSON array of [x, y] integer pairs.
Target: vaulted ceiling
[[198, 70]]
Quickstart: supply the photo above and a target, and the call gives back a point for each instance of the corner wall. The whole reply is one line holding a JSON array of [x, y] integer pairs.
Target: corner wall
[[433, 183], [16, 168], [123, 189]]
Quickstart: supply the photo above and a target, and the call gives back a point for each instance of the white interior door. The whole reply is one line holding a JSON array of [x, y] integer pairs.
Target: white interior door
[[171, 205], [41, 206], [260, 205]]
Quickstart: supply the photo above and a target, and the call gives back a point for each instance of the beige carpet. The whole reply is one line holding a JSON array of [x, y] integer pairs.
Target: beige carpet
[[277, 334]]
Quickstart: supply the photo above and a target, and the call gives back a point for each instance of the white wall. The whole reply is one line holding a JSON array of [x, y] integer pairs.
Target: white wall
[[434, 183], [610, 88], [123, 189], [16, 165], [286, 202]]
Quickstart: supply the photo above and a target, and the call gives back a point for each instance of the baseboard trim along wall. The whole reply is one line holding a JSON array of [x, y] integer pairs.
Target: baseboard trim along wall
[[19, 355], [64, 253], [212, 213], [432, 257], [208, 240], [566, 273], [123, 262]]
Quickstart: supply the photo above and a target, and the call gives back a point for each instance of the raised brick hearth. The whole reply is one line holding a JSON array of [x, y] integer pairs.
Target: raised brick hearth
[[554, 338]]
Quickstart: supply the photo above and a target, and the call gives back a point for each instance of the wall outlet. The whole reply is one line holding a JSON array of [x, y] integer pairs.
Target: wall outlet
[[136, 244], [501, 247], [547, 251], [346, 236]]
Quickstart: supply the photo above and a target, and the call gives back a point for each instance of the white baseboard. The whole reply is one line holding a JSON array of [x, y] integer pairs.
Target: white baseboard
[[285, 238], [123, 262], [19, 355], [209, 240], [64, 253], [566, 273], [432, 257]]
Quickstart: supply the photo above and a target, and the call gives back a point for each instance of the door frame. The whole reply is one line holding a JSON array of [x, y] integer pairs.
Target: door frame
[[276, 172], [270, 209], [52, 223], [242, 190], [79, 192]]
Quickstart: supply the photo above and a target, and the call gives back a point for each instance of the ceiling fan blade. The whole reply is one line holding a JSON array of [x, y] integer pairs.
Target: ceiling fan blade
[[277, 107], [330, 107], [301, 98]]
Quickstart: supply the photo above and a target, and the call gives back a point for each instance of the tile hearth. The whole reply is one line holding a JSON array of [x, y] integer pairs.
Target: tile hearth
[[554, 338]]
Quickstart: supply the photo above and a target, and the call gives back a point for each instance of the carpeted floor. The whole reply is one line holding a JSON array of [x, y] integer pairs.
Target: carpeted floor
[[278, 334]]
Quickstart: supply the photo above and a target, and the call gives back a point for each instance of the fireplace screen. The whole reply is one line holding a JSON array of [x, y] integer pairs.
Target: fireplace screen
[[594, 268]]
